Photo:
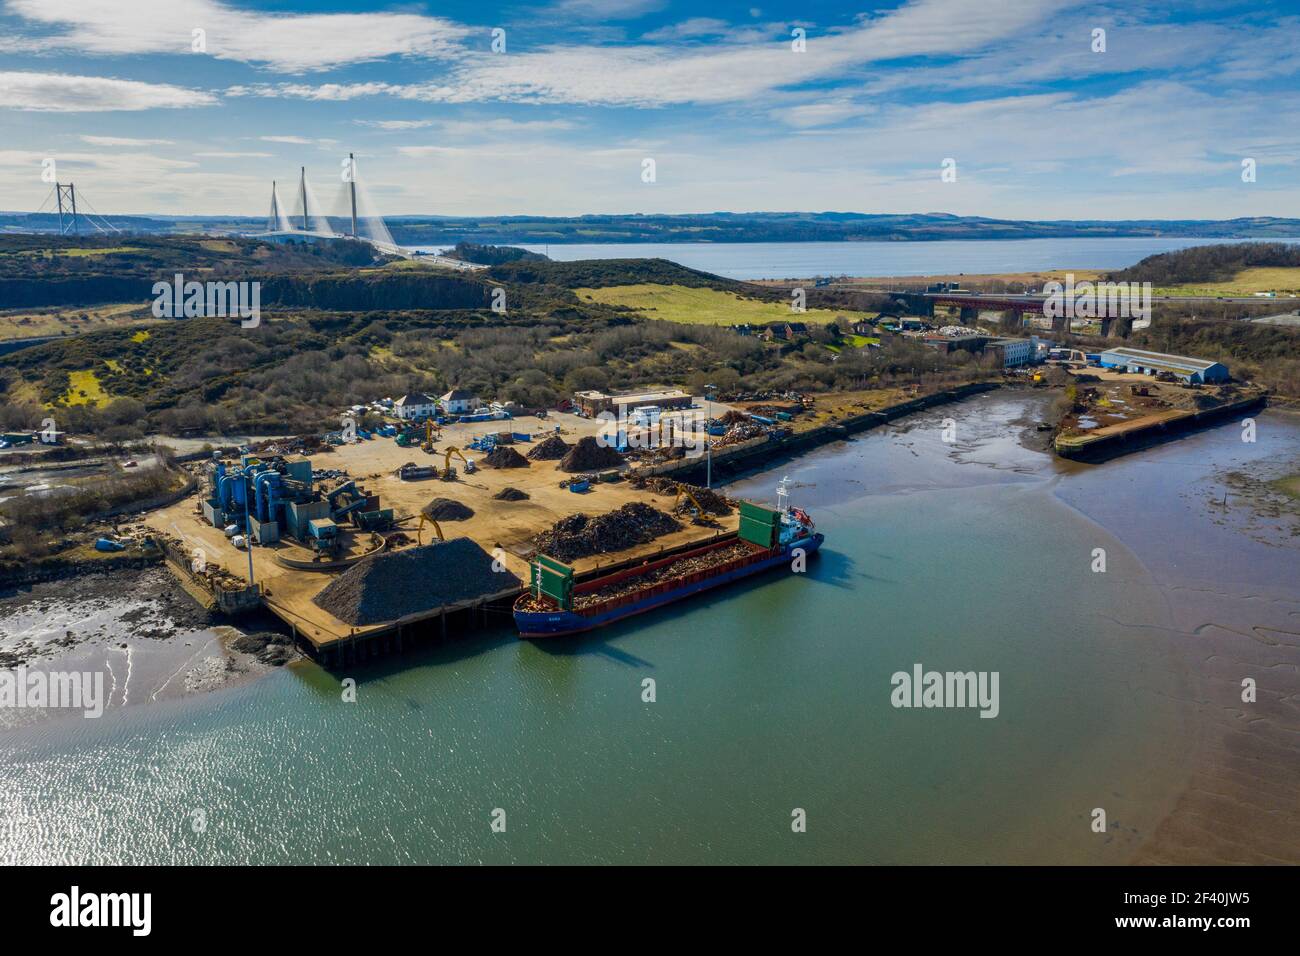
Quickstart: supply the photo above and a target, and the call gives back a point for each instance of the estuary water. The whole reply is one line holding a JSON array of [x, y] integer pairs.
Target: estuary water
[[787, 260], [771, 697]]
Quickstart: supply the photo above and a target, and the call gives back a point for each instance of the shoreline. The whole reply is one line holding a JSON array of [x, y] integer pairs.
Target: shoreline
[[136, 625]]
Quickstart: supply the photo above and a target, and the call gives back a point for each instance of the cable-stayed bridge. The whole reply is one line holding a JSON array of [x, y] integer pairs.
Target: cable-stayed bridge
[[306, 221]]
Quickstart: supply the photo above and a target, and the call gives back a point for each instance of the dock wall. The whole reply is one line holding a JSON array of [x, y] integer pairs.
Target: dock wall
[[1106, 447], [749, 457]]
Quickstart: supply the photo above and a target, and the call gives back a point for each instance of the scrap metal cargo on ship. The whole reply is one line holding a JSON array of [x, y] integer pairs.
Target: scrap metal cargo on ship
[[556, 605]]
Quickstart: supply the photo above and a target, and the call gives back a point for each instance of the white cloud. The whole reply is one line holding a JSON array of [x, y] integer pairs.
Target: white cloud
[[292, 43], [63, 93], [223, 154], [688, 29], [648, 76], [123, 141], [138, 166], [392, 125], [473, 127], [609, 9]]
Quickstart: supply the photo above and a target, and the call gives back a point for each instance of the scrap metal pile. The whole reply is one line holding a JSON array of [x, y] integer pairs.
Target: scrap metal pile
[[580, 535], [552, 449], [669, 572], [741, 432], [505, 457], [588, 455], [711, 501]]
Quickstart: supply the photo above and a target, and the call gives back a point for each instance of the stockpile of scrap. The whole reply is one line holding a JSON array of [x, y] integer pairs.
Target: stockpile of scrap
[[669, 572], [505, 457], [553, 449], [447, 509], [589, 455], [580, 536], [416, 581], [740, 433], [711, 501], [734, 417]]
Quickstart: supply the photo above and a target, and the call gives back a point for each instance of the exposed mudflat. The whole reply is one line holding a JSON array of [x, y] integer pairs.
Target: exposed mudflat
[[139, 628]]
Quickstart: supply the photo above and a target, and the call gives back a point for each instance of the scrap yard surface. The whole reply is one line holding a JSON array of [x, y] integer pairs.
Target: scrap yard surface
[[291, 579]]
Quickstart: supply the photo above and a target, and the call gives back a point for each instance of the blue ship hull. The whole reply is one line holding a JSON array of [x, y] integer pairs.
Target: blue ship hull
[[533, 624]]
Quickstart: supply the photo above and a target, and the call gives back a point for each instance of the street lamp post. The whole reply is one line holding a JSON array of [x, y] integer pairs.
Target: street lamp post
[[708, 439]]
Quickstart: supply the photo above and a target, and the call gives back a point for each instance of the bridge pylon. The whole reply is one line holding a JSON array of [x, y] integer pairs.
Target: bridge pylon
[[66, 194]]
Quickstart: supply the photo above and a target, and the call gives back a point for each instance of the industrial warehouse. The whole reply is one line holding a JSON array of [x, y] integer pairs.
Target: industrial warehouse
[[1199, 371]]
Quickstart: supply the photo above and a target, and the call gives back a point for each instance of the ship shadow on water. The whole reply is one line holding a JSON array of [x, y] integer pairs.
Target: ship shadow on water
[[423, 648]]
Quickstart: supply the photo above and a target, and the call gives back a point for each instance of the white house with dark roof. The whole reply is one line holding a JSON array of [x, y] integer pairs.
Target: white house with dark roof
[[459, 401], [414, 405]]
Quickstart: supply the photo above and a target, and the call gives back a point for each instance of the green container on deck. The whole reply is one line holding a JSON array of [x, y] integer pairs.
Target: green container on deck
[[553, 579], [758, 525]]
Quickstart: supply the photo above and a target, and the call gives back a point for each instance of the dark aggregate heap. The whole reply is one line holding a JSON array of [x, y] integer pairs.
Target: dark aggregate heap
[[511, 494], [579, 535], [393, 585], [448, 509], [505, 457], [589, 455], [553, 449]]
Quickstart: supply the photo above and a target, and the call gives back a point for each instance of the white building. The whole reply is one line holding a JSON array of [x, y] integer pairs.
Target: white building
[[459, 401], [1015, 351], [414, 405]]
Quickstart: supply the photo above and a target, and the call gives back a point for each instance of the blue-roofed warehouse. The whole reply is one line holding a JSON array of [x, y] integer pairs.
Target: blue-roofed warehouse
[[1138, 361]]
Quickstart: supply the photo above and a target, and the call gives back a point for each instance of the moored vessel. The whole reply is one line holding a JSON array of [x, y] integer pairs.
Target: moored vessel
[[556, 604]]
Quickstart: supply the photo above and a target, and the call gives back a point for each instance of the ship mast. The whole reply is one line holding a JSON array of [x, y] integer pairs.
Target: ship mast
[[783, 494]]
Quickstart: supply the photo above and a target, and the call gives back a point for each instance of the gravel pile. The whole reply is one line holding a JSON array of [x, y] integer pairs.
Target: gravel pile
[[399, 583], [448, 509], [589, 455], [511, 494], [505, 457], [579, 535], [553, 449]]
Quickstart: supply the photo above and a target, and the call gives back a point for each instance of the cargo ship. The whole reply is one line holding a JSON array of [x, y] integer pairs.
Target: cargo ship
[[555, 604]]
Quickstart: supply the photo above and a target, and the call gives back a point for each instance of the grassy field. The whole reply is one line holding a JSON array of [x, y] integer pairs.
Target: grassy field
[[38, 323], [84, 389], [75, 252], [676, 303], [1281, 280]]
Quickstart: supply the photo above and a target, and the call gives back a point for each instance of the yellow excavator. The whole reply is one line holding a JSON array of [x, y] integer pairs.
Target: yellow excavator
[[449, 473], [419, 532], [700, 513], [431, 434]]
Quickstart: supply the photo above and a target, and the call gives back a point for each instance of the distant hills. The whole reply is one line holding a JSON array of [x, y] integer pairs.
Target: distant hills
[[716, 227]]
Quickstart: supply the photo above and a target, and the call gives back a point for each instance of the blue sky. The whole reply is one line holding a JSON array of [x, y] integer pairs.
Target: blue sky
[[1040, 125]]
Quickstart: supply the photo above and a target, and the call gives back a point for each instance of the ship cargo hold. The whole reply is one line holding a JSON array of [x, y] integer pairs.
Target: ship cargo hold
[[555, 604]]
